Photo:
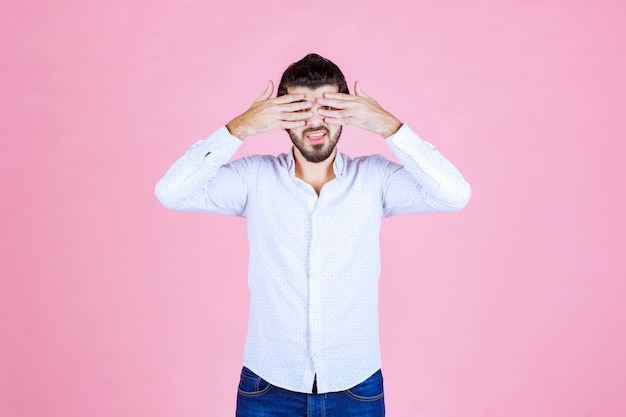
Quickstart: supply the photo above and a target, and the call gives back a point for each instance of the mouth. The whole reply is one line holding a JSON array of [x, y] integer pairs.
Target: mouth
[[317, 136]]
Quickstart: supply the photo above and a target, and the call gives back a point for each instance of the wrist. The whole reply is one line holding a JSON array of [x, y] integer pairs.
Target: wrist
[[390, 127], [237, 129]]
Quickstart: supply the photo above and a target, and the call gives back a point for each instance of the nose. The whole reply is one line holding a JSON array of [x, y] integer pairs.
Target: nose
[[316, 119]]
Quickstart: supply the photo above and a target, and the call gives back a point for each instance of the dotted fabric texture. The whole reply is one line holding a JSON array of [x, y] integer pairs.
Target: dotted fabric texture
[[314, 260]]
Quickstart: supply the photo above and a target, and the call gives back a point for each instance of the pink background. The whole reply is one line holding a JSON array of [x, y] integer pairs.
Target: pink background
[[111, 305]]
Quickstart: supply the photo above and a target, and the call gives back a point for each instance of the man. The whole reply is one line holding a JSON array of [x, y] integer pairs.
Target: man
[[313, 217]]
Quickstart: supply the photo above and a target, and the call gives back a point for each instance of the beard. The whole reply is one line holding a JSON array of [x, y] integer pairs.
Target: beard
[[319, 152]]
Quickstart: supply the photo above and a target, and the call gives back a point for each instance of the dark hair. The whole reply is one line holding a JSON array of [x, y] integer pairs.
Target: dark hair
[[312, 71]]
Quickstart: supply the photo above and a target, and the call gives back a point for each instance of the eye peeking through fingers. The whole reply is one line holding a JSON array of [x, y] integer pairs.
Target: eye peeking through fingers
[[327, 108]]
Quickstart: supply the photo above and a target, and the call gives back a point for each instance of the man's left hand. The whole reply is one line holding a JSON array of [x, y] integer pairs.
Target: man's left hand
[[358, 110]]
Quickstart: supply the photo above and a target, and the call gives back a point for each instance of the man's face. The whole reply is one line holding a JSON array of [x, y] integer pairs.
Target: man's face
[[315, 140]]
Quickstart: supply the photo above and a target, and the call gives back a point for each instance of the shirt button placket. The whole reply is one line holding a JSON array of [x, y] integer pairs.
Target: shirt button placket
[[315, 290]]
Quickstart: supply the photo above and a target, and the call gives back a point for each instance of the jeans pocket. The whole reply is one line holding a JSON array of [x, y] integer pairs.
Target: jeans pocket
[[369, 390], [250, 384]]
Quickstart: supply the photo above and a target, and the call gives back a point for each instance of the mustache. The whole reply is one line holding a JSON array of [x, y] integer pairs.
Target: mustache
[[314, 129]]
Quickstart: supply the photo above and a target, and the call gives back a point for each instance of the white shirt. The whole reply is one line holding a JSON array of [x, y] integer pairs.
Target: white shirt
[[314, 261]]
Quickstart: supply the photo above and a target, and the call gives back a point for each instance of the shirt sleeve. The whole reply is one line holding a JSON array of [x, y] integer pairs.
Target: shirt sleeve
[[426, 182], [203, 180]]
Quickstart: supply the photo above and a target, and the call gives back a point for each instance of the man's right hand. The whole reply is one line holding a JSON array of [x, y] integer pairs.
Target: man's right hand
[[265, 114]]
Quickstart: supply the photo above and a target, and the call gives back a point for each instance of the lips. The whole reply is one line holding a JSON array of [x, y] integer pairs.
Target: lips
[[316, 135]]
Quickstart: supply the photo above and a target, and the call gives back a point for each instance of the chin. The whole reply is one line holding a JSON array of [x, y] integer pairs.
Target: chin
[[315, 152]]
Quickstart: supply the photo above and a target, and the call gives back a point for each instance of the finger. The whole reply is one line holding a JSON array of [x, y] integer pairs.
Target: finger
[[265, 95], [296, 106], [336, 103], [338, 121], [335, 114], [292, 125], [288, 98], [359, 91], [298, 115], [341, 96]]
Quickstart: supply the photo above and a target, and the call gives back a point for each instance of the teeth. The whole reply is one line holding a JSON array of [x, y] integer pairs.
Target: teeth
[[317, 135]]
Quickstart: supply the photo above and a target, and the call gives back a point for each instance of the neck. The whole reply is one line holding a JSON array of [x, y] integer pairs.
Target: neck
[[315, 173]]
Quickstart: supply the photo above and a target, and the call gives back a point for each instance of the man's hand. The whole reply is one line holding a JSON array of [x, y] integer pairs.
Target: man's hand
[[265, 114], [358, 110]]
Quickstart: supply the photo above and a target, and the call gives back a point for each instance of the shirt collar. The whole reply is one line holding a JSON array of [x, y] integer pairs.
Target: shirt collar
[[338, 164]]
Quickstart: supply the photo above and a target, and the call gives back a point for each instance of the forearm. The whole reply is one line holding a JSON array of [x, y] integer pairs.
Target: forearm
[[181, 187], [440, 179]]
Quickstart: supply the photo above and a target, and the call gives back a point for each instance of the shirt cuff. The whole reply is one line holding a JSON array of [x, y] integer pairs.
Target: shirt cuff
[[222, 138], [220, 146], [403, 136]]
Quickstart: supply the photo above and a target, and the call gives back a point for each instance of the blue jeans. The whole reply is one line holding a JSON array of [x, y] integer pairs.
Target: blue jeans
[[258, 398]]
